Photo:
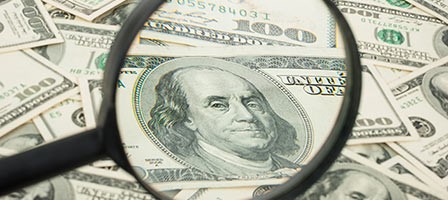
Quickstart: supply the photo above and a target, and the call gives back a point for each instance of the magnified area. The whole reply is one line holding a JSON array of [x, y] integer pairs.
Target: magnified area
[[226, 116], [224, 99]]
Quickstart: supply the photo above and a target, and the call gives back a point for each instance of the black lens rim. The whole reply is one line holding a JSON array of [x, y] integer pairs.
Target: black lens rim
[[297, 184]]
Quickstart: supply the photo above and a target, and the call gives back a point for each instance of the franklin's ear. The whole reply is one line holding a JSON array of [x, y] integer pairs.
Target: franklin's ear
[[189, 123]]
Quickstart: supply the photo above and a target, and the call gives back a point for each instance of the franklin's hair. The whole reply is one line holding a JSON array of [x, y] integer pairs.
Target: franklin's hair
[[171, 108], [439, 94], [329, 182]]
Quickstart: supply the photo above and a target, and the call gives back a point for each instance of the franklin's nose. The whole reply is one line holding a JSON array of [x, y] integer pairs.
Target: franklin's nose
[[243, 114]]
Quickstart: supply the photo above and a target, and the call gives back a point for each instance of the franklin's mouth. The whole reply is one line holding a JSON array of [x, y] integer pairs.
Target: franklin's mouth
[[256, 133]]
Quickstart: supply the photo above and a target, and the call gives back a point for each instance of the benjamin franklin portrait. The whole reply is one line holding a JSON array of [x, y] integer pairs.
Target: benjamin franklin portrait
[[215, 116], [435, 89], [353, 181]]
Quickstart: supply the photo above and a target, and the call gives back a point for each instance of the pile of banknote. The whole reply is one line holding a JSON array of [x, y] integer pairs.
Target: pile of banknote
[[229, 99]]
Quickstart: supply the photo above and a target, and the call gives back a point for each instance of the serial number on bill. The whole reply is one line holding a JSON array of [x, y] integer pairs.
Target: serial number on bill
[[223, 9]]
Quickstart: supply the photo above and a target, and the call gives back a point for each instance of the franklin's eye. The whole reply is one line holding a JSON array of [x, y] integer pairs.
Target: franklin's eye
[[219, 105], [17, 195], [254, 105], [356, 196]]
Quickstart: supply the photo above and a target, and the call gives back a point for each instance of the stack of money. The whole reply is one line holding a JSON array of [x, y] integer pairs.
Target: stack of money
[[229, 99]]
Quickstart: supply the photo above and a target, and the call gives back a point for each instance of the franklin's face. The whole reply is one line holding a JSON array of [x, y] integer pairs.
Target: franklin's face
[[359, 186], [440, 82], [227, 112]]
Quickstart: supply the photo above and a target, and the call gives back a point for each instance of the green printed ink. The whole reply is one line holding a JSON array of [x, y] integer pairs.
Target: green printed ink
[[399, 3], [100, 61], [390, 36]]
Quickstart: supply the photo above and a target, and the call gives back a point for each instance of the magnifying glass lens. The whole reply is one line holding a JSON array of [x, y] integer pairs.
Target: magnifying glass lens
[[238, 96]]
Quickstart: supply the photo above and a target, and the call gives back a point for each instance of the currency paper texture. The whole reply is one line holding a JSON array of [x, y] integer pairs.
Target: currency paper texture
[[422, 96], [396, 37]]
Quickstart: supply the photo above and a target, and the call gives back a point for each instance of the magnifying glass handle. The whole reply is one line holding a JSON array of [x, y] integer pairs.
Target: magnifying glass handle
[[48, 160]]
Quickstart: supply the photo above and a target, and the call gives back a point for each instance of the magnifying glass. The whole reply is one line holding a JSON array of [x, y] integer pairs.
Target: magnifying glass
[[245, 94]]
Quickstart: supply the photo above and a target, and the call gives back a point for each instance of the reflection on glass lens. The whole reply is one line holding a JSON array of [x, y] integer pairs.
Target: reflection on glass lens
[[235, 96]]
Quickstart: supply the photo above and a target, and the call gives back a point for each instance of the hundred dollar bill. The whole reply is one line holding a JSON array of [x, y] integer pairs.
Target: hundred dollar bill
[[438, 8], [377, 120], [395, 37], [29, 86], [422, 97], [211, 23], [88, 10], [350, 177], [85, 50], [301, 88], [25, 24]]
